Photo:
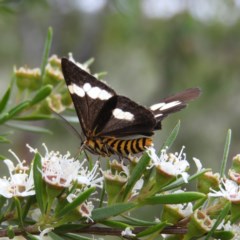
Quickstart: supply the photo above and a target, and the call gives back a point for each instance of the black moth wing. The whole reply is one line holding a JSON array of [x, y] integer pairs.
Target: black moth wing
[[173, 104], [127, 118], [89, 94]]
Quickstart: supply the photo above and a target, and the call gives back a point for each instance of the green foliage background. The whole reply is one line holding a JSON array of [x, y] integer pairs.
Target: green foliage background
[[146, 57]]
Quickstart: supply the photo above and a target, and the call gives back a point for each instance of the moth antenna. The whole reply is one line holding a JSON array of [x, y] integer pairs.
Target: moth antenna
[[69, 125]]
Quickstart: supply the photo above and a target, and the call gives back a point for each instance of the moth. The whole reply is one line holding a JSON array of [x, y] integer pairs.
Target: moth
[[114, 124]]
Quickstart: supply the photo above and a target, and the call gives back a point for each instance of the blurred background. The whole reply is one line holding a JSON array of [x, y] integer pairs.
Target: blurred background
[[150, 49]]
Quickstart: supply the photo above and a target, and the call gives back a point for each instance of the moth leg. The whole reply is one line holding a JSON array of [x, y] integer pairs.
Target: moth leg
[[82, 149], [79, 151]]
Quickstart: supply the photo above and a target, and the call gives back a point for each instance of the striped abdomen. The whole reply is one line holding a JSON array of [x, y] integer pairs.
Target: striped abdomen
[[106, 146]]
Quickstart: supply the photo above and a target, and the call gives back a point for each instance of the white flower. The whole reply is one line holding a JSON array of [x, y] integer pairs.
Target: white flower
[[172, 164], [228, 189], [89, 178], [20, 183], [128, 233], [198, 164], [185, 209], [58, 170]]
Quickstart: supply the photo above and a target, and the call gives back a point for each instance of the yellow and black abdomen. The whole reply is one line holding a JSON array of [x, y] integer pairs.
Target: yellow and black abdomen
[[106, 146], [125, 147]]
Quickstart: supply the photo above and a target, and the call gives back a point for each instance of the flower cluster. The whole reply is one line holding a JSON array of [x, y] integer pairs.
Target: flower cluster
[[20, 182], [65, 198], [64, 178]]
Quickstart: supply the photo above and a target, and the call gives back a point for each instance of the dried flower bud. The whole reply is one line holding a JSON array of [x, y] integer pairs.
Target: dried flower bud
[[200, 223]]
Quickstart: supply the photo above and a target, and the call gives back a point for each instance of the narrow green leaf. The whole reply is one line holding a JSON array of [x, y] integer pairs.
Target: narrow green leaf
[[2, 157], [88, 62], [102, 195], [4, 100], [115, 224], [41, 94], [110, 211], [19, 211], [17, 109], [199, 203], [4, 140], [7, 10], [225, 153], [100, 75], [136, 222], [2, 201], [29, 128], [54, 236], [79, 200], [30, 201], [47, 47], [136, 174], [14, 111], [220, 218], [172, 137], [76, 236], [157, 228], [39, 183], [179, 182], [174, 198], [33, 117]]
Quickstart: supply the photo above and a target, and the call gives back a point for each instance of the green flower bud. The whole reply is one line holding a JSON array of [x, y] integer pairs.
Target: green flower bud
[[27, 78], [53, 75], [55, 61], [114, 185], [208, 180]]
